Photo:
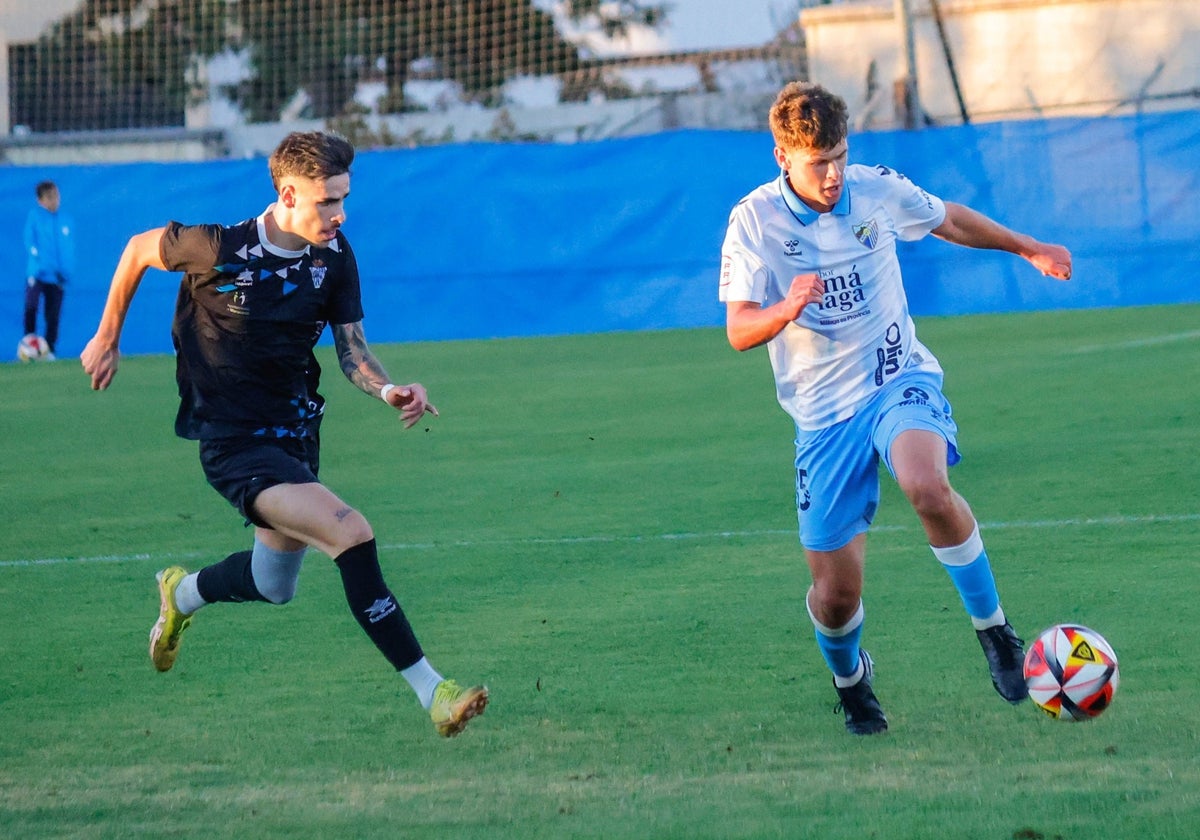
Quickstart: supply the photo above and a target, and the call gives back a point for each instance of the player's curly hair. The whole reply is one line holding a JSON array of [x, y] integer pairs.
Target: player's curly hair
[[807, 116], [310, 154]]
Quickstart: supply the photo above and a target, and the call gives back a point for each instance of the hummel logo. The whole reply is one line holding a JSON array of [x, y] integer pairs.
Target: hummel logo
[[380, 610], [791, 248]]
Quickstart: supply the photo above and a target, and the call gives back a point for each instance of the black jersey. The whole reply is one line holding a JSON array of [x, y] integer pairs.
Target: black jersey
[[247, 318]]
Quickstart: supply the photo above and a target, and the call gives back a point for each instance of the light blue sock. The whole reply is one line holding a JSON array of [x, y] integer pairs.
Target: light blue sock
[[276, 573], [971, 573], [840, 646]]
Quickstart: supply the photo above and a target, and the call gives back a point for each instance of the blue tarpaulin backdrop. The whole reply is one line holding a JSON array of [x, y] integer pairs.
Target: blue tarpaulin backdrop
[[481, 241]]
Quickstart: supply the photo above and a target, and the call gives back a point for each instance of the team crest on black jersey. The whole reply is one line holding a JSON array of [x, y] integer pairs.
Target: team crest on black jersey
[[317, 269], [867, 233]]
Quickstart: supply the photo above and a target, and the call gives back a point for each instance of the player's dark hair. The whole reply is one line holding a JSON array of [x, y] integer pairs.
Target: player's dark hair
[[807, 116], [44, 188], [315, 155]]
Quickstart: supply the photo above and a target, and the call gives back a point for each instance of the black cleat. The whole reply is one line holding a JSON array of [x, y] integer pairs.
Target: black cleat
[[1006, 660], [859, 704]]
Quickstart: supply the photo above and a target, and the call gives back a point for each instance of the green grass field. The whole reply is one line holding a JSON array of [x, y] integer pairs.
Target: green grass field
[[601, 528]]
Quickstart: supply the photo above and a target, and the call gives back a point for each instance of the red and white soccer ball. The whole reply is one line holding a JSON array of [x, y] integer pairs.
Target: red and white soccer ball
[[32, 347], [1072, 672]]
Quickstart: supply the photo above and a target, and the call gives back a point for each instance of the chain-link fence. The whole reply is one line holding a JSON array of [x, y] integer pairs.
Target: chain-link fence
[[136, 64]]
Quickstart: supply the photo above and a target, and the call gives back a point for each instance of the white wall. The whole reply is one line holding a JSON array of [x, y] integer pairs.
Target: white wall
[[5, 116], [24, 20], [1014, 58]]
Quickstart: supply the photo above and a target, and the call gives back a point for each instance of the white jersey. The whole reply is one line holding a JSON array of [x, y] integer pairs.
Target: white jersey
[[834, 357]]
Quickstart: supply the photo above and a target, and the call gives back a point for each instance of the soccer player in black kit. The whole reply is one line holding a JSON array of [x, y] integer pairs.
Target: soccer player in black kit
[[254, 298]]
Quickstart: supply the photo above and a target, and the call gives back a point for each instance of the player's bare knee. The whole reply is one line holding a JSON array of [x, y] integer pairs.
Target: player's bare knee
[[834, 605], [353, 528], [929, 498]]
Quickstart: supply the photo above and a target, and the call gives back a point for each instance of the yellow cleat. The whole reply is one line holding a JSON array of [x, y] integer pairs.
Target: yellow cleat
[[166, 633], [453, 706]]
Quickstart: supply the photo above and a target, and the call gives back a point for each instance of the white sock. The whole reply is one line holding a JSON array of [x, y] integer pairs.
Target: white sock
[[846, 682], [961, 555], [187, 596], [423, 680], [994, 620]]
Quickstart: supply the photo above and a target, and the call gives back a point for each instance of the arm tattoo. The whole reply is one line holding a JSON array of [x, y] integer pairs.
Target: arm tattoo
[[356, 359]]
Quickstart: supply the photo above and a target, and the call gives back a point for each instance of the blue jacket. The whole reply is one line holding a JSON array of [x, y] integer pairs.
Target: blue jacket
[[48, 246]]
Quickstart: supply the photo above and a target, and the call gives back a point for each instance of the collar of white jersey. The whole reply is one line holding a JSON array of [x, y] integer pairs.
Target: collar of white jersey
[[804, 214]]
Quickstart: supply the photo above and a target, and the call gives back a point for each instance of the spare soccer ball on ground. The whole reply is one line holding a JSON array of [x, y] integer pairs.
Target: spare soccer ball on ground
[[32, 347], [1071, 672]]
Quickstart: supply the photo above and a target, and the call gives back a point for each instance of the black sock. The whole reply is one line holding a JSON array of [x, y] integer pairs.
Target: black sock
[[375, 607], [230, 580]]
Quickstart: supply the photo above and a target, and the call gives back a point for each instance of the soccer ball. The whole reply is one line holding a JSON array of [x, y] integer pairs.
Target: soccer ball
[[32, 347], [1072, 672]]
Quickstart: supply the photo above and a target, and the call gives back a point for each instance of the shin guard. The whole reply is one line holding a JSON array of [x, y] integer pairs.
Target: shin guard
[[374, 606]]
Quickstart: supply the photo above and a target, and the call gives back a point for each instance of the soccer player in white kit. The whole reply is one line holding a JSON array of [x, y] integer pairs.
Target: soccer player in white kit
[[809, 268]]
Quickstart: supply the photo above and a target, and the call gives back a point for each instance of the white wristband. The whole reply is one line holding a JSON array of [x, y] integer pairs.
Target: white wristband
[[385, 390]]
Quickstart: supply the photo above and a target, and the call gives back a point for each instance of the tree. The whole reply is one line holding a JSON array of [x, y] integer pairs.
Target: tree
[[476, 43], [616, 17], [139, 51], [114, 64]]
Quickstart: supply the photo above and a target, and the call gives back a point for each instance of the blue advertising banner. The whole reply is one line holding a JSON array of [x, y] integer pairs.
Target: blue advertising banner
[[498, 240]]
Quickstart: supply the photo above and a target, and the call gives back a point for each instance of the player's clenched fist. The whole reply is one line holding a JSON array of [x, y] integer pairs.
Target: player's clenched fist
[[1052, 260], [805, 289]]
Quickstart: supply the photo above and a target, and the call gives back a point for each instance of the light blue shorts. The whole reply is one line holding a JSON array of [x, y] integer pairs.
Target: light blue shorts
[[837, 468]]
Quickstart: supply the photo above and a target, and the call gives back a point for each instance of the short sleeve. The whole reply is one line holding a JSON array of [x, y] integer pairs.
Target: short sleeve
[[192, 249], [743, 275], [914, 211]]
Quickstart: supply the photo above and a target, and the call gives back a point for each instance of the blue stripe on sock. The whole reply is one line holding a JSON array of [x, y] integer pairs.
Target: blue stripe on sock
[[976, 586], [840, 652]]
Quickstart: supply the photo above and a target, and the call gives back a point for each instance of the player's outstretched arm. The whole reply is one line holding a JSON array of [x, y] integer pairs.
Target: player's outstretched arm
[[101, 355], [361, 367], [964, 226]]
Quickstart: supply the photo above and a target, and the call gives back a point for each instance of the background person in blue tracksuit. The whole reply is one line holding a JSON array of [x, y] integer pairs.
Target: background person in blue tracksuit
[[50, 254]]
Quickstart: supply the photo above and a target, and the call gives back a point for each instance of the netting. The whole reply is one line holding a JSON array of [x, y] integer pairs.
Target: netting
[[112, 64]]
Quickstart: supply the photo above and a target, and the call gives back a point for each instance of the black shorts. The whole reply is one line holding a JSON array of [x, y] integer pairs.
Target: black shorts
[[241, 468]]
